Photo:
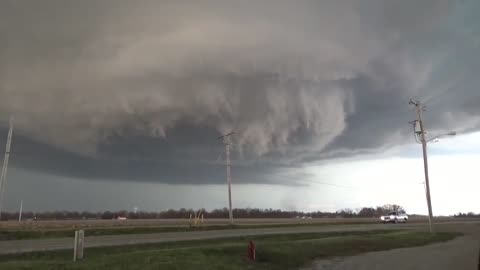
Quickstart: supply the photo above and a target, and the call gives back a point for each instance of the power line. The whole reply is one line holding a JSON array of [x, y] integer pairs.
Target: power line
[[328, 184], [449, 88], [317, 182], [219, 157], [434, 97]]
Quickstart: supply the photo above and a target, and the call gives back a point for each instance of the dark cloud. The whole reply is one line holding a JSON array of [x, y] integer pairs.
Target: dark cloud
[[140, 91], [137, 158]]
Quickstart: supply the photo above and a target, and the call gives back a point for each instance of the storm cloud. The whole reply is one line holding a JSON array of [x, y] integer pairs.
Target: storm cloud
[[140, 90]]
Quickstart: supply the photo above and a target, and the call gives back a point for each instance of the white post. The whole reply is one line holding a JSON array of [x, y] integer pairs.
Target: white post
[[78, 245], [75, 247], [3, 176], [81, 242]]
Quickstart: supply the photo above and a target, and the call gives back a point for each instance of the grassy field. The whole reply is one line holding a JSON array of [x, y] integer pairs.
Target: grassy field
[[43, 234], [58, 229], [11, 230], [273, 252], [108, 223]]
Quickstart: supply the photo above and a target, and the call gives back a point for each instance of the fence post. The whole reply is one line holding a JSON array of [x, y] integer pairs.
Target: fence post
[[78, 245], [75, 246], [81, 242]]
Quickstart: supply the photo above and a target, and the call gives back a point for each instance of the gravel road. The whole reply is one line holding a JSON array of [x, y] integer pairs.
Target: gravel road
[[462, 253]]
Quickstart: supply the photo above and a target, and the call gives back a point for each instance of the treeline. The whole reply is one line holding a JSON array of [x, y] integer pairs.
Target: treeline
[[466, 215], [217, 213], [369, 211]]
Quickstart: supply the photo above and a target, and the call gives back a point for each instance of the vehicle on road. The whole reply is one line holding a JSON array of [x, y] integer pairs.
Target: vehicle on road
[[395, 217]]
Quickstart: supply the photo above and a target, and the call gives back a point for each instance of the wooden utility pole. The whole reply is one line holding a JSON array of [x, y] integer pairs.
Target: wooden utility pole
[[3, 176], [421, 134], [226, 141], [20, 212]]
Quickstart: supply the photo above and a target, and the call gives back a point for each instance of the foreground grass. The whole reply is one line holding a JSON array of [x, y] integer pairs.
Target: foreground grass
[[275, 252], [43, 234]]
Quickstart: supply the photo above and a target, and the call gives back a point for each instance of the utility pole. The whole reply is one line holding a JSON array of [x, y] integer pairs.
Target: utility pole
[[421, 134], [226, 141], [3, 176], [20, 212], [424, 189]]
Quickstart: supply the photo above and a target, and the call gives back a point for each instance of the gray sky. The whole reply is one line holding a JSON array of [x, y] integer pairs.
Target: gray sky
[[115, 99]]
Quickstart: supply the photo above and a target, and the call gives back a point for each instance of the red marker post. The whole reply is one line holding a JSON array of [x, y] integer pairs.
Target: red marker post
[[251, 251]]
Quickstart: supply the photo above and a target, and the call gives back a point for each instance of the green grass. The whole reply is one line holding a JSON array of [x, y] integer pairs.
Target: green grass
[[274, 252], [42, 234]]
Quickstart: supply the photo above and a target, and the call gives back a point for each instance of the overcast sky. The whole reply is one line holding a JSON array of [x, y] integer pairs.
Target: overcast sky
[[119, 103]]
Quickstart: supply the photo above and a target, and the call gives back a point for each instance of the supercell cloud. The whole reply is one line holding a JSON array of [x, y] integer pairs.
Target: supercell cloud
[[140, 90]]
